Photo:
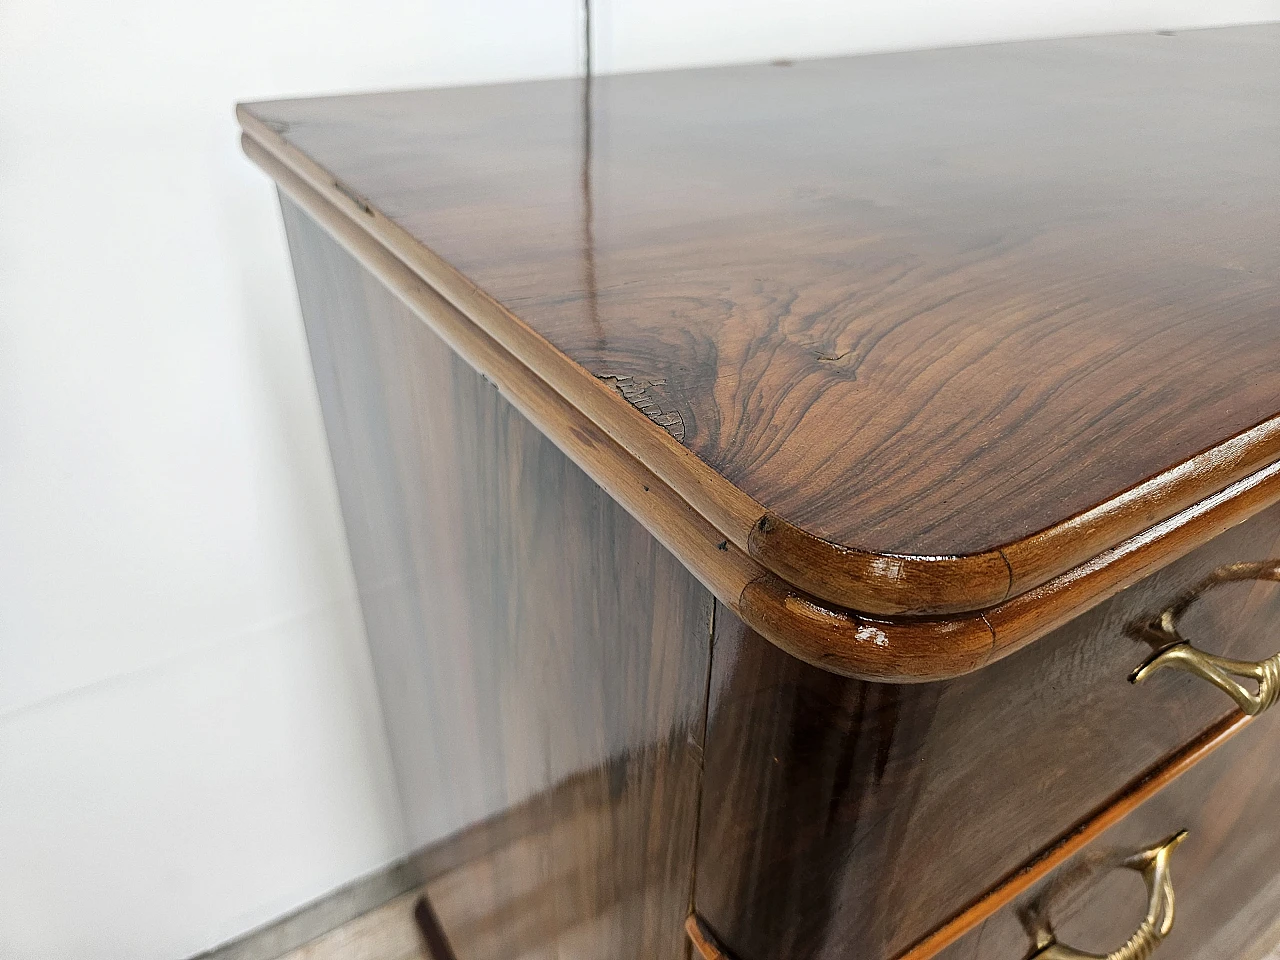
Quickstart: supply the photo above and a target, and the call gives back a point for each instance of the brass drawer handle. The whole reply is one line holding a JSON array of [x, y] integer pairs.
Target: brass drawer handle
[[1153, 864], [1220, 671]]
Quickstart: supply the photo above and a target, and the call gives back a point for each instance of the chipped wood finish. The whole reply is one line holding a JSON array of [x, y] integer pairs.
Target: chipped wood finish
[[541, 659], [938, 326], [638, 394], [837, 812]]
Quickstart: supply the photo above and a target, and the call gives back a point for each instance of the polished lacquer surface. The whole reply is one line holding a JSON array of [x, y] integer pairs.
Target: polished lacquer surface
[[541, 659], [932, 304], [1226, 888], [656, 402], [847, 819]]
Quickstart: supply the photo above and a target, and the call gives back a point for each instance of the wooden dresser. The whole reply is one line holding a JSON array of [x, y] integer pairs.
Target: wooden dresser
[[804, 511]]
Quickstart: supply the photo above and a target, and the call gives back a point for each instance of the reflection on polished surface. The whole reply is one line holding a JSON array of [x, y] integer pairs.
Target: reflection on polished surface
[[541, 659], [856, 279], [837, 812], [938, 302]]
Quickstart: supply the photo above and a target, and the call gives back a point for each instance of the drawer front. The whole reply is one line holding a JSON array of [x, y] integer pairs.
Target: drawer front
[[1225, 875], [843, 819]]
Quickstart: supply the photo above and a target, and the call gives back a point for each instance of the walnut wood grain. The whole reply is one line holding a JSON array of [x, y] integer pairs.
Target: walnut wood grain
[[1224, 874], [837, 640], [919, 332], [1038, 866], [1077, 839], [541, 660], [842, 818]]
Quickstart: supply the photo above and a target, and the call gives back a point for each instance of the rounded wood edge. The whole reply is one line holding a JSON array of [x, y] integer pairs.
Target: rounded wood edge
[[718, 563], [1046, 861], [702, 939], [876, 583], [1035, 559], [855, 645], [918, 585], [728, 509], [838, 641], [841, 641], [913, 651], [1031, 615]]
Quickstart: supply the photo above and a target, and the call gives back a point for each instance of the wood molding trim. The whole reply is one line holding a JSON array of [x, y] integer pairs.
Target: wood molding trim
[[843, 641], [704, 942], [878, 584]]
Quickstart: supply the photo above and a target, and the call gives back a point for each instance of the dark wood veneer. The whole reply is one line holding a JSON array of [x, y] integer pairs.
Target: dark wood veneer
[[686, 424], [840, 813], [948, 323], [1227, 892], [541, 659], [841, 641]]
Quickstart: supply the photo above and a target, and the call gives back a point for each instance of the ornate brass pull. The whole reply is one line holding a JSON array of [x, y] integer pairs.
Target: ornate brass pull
[[1220, 671], [1153, 864]]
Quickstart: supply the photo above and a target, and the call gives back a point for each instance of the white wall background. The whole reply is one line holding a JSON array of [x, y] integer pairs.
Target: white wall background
[[190, 742]]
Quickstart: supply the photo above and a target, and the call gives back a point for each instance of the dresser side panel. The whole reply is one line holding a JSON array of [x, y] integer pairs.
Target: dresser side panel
[[542, 661]]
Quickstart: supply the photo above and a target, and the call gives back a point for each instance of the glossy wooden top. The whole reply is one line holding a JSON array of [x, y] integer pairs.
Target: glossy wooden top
[[937, 326]]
